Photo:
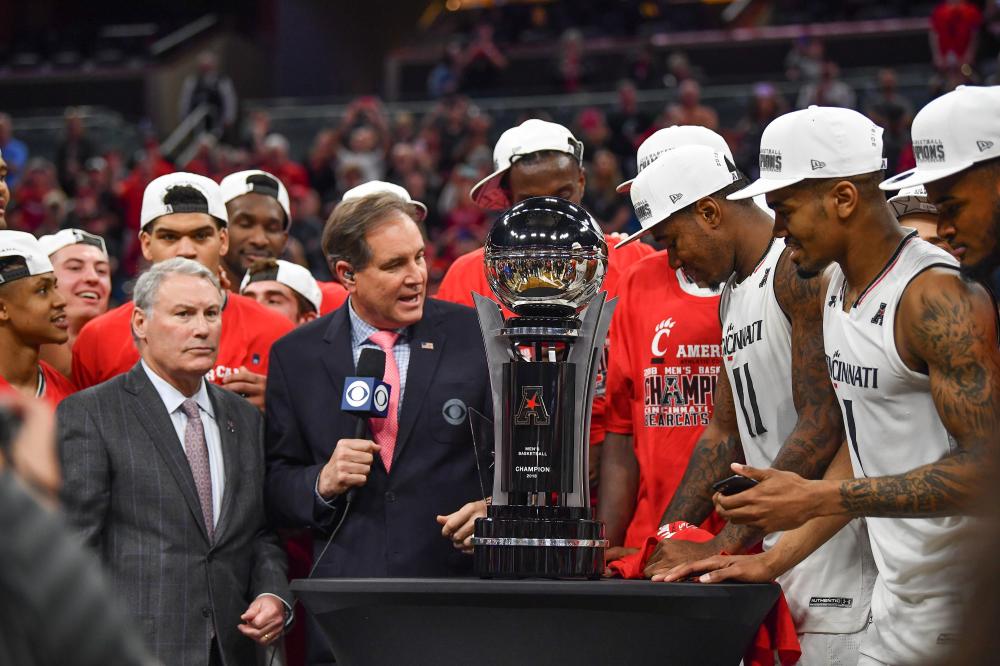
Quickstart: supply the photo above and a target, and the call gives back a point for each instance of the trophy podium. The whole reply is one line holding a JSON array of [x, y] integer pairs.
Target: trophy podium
[[546, 259]]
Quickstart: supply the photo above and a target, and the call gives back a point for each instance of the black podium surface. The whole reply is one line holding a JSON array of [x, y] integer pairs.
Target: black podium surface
[[525, 622]]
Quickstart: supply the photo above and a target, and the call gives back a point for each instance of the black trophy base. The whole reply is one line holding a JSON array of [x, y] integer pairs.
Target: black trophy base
[[539, 542]]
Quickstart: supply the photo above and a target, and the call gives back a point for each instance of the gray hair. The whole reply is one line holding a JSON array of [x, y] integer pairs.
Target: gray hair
[[147, 287]]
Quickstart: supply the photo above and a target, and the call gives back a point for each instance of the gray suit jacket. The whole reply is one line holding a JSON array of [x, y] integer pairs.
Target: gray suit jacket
[[128, 488]]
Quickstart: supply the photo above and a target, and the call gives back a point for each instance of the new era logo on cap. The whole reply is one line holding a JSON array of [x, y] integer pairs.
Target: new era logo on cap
[[984, 145], [818, 142], [674, 198]]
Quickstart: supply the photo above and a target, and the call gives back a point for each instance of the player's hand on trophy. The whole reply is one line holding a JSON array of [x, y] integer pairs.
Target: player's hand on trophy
[[670, 553], [348, 467], [780, 500], [720, 568], [460, 525]]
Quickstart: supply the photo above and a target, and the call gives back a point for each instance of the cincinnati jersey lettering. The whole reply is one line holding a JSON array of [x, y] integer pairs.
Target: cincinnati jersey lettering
[[849, 373], [744, 336]]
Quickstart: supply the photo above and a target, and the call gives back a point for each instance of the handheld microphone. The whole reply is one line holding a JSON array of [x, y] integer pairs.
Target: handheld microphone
[[366, 396]]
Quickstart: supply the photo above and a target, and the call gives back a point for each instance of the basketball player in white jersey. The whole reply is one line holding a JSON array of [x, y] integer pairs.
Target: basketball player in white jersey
[[956, 143], [774, 404], [911, 348]]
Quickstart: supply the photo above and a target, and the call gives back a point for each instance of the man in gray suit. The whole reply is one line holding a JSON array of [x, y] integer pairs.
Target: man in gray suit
[[164, 477]]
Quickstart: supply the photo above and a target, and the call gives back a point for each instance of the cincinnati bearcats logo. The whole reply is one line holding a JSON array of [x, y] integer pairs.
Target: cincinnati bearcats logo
[[532, 411], [879, 317], [658, 347]]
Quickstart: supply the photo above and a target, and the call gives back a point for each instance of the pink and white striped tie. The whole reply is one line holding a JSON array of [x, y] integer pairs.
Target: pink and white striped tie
[[384, 431]]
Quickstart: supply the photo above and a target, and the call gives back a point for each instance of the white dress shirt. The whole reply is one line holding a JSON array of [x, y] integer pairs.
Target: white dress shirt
[[173, 399]]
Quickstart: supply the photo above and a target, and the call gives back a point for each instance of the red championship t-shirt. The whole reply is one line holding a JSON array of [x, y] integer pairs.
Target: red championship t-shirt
[[467, 275], [334, 296], [104, 348], [664, 364], [55, 386]]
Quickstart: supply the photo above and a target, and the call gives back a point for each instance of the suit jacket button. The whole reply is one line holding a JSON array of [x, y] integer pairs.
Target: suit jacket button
[[206, 612], [390, 497]]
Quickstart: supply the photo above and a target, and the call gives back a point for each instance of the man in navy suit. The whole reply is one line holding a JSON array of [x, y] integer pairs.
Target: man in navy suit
[[420, 461]]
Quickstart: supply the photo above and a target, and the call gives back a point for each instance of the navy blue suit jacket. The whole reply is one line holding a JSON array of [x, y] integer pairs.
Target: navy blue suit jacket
[[391, 529]]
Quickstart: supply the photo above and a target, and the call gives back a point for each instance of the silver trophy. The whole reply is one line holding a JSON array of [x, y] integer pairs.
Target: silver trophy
[[546, 259]]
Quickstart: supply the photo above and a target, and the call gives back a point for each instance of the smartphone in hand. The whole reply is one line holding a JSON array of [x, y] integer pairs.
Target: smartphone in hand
[[734, 484]]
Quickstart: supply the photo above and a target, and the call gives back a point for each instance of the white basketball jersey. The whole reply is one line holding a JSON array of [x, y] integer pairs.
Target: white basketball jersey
[[830, 590], [893, 427]]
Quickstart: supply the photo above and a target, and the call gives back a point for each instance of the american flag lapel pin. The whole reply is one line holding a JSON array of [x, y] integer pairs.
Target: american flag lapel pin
[[427, 345]]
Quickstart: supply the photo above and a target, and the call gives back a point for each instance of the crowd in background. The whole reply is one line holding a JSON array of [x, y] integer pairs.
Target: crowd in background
[[438, 155]]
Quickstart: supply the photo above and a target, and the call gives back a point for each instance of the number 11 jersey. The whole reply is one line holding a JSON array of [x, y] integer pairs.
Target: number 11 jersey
[[829, 591]]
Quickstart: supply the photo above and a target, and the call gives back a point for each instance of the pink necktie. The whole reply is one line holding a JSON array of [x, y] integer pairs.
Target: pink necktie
[[385, 430], [196, 450]]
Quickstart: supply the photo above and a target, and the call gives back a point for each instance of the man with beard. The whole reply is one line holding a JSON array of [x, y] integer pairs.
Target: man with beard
[[956, 143], [911, 348], [774, 403]]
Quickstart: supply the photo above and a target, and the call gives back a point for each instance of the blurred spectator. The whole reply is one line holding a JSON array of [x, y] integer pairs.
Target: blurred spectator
[[482, 61], [204, 162], [14, 151], [446, 76], [689, 110], [645, 68], [363, 138], [611, 209], [954, 33], [464, 223], [277, 162], [765, 105], [307, 230], [679, 70], [4, 193], [404, 127], [804, 63], [258, 128], [321, 164], [829, 90], [571, 66], [73, 151], [213, 90], [627, 122], [29, 197], [449, 121], [592, 128], [886, 103], [56, 207]]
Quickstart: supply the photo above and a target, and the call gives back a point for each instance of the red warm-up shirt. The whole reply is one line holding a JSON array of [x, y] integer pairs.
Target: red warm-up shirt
[[104, 348], [955, 26], [334, 296], [467, 275], [57, 386], [664, 364]]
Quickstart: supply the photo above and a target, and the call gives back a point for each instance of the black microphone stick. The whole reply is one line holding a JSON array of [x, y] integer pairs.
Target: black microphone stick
[[370, 364]]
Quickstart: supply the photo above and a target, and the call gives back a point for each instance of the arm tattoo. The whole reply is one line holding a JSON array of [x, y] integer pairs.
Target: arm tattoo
[[718, 446], [818, 432], [952, 328]]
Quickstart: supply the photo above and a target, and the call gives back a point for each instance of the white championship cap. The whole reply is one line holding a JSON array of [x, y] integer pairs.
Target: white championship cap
[[912, 200], [818, 142], [26, 246], [676, 180], [379, 187], [531, 136], [672, 137], [293, 276], [244, 182], [152, 199], [57, 241], [952, 133]]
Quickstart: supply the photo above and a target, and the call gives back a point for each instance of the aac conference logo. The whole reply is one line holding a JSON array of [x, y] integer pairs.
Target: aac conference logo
[[357, 394]]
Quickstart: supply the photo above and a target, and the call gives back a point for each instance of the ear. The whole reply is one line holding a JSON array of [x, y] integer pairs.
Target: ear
[[139, 321], [307, 317], [145, 240], [708, 212], [223, 241], [4, 315], [583, 180], [845, 199], [345, 275]]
